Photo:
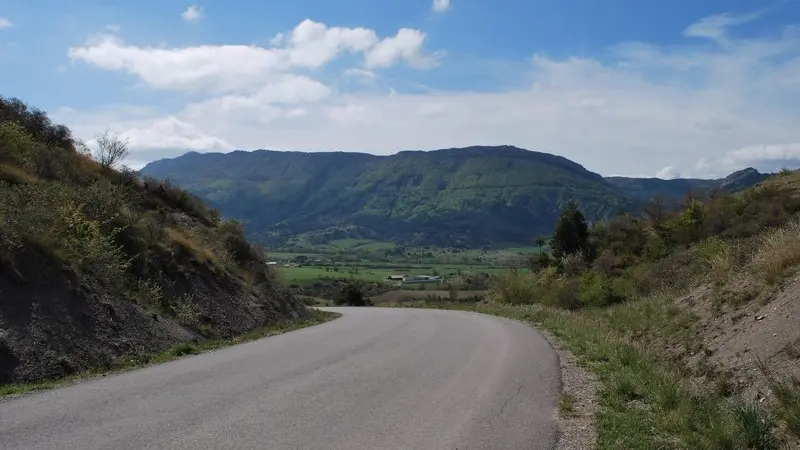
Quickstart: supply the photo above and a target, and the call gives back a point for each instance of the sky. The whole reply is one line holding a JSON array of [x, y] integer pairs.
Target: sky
[[683, 88]]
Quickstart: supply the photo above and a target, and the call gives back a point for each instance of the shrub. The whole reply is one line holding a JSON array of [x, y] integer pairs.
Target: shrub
[[153, 224], [573, 264], [36, 123], [513, 288], [82, 241], [186, 311], [351, 295], [16, 145], [597, 290], [49, 162]]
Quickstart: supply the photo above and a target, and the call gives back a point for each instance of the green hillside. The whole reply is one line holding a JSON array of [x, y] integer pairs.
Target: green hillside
[[475, 196], [99, 268]]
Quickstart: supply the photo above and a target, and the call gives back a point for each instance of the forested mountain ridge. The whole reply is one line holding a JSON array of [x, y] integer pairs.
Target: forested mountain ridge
[[456, 197]]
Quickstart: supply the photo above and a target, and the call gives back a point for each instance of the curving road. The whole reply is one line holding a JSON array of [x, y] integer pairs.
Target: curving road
[[372, 379]]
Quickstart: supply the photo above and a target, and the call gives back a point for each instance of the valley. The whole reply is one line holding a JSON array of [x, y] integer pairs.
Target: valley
[[668, 302]]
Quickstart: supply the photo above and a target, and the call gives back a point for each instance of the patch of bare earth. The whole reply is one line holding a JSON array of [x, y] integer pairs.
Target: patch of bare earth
[[577, 428], [742, 337]]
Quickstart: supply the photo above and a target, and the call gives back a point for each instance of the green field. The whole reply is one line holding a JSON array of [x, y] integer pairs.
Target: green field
[[377, 272]]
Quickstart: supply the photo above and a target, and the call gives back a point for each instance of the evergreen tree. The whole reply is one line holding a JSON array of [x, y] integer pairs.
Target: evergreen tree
[[571, 234]]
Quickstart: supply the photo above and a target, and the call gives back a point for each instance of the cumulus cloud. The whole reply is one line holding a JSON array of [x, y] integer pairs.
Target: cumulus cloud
[[5, 23], [192, 13], [441, 5], [688, 110], [238, 68]]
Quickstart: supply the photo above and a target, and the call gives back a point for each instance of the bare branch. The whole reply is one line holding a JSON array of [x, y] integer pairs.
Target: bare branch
[[111, 150]]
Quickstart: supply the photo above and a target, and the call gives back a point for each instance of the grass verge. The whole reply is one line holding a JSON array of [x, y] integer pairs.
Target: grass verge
[[177, 351], [652, 395]]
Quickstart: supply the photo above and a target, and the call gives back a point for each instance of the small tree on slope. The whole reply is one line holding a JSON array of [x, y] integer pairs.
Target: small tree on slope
[[571, 234]]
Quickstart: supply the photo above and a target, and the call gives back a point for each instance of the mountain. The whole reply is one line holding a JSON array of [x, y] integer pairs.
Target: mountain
[[474, 196], [643, 189]]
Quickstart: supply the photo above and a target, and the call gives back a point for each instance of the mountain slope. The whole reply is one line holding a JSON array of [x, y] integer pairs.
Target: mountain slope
[[643, 189], [96, 264], [469, 196]]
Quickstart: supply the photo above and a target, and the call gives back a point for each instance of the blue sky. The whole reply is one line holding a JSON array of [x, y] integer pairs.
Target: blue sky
[[635, 87]]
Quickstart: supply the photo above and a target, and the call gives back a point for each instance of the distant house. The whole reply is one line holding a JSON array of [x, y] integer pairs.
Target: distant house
[[272, 263], [396, 277], [421, 279]]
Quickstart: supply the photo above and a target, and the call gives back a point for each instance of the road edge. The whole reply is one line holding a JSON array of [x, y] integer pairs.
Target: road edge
[[180, 350]]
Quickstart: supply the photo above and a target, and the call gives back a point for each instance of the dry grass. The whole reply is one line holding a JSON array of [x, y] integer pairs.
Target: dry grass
[[778, 250], [200, 252], [17, 175], [722, 265]]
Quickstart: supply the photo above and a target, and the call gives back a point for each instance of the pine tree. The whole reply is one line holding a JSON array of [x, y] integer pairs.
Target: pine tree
[[571, 234]]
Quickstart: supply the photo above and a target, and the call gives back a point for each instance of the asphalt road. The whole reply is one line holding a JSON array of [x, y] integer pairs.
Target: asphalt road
[[372, 379]]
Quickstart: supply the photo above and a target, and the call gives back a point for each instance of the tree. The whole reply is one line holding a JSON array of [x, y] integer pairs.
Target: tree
[[351, 295], [111, 150], [542, 259], [539, 242], [571, 233]]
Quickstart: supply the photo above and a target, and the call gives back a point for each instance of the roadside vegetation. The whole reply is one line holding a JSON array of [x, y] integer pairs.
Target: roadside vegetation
[[656, 303], [97, 261]]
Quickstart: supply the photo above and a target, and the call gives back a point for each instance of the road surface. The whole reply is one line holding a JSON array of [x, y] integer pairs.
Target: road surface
[[373, 379]]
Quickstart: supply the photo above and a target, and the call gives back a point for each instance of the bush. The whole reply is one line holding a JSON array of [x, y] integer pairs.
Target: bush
[[36, 123], [351, 295], [16, 145], [597, 290]]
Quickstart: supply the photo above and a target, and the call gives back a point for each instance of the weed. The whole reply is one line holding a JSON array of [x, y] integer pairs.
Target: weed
[[787, 394], [756, 425], [566, 405], [183, 349]]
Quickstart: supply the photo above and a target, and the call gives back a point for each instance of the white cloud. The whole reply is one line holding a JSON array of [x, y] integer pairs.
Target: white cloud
[[243, 68], [360, 73], [714, 27], [667, 173], [5, 23], [441, 5], [313, 44], [113, 28], [192, 13], [789, 152], [277, 40], [694, 111], [406, 45]]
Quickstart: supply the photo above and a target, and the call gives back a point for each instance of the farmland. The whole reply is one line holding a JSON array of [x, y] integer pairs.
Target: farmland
[[317, 269]]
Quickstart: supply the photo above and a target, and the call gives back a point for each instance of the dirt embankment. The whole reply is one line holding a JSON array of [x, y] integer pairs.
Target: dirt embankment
[[764, 331], [52, 324]]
